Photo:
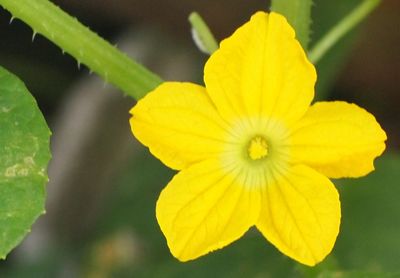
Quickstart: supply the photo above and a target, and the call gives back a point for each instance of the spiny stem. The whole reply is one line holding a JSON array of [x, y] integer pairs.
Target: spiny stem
[[341, 29], [84, 45]]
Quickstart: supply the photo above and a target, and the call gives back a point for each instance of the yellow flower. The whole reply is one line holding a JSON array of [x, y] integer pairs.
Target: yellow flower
[[252, 151]]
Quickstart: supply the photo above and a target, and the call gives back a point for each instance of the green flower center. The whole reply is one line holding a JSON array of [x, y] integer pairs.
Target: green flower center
[[258, 148]]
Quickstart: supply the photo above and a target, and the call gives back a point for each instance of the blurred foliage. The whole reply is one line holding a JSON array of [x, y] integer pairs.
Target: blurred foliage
[[370, 219], [358, 274], [325, 16]]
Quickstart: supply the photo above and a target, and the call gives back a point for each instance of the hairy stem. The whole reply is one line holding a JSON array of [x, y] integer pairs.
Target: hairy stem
[[84, 45]]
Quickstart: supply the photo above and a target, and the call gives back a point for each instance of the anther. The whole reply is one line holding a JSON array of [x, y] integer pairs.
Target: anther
[[258, 148]]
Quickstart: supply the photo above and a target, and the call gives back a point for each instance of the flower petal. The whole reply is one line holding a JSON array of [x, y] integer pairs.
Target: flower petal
[[300, 214], [261, 70], [204, 208], [338, 139], [179, 124]]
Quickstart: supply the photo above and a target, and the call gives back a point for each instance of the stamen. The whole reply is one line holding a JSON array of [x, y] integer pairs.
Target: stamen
[[258, 148]]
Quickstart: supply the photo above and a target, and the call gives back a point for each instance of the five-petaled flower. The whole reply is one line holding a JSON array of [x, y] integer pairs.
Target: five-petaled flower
[[252, 151]]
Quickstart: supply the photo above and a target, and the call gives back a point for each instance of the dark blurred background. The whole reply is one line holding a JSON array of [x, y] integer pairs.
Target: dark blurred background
[[103, 185]]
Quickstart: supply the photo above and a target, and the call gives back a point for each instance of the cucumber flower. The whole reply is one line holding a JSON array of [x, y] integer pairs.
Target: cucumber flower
[[251, 150]]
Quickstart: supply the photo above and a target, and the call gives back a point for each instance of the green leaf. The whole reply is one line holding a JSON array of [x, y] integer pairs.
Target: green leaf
[[24, 155]]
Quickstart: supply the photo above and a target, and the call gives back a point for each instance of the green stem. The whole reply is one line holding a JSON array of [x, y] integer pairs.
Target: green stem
[[341, 29], [298, 14], [84, 45], [202, 35]]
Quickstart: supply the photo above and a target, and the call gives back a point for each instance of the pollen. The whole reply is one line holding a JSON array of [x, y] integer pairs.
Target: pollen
[[258, 148]]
